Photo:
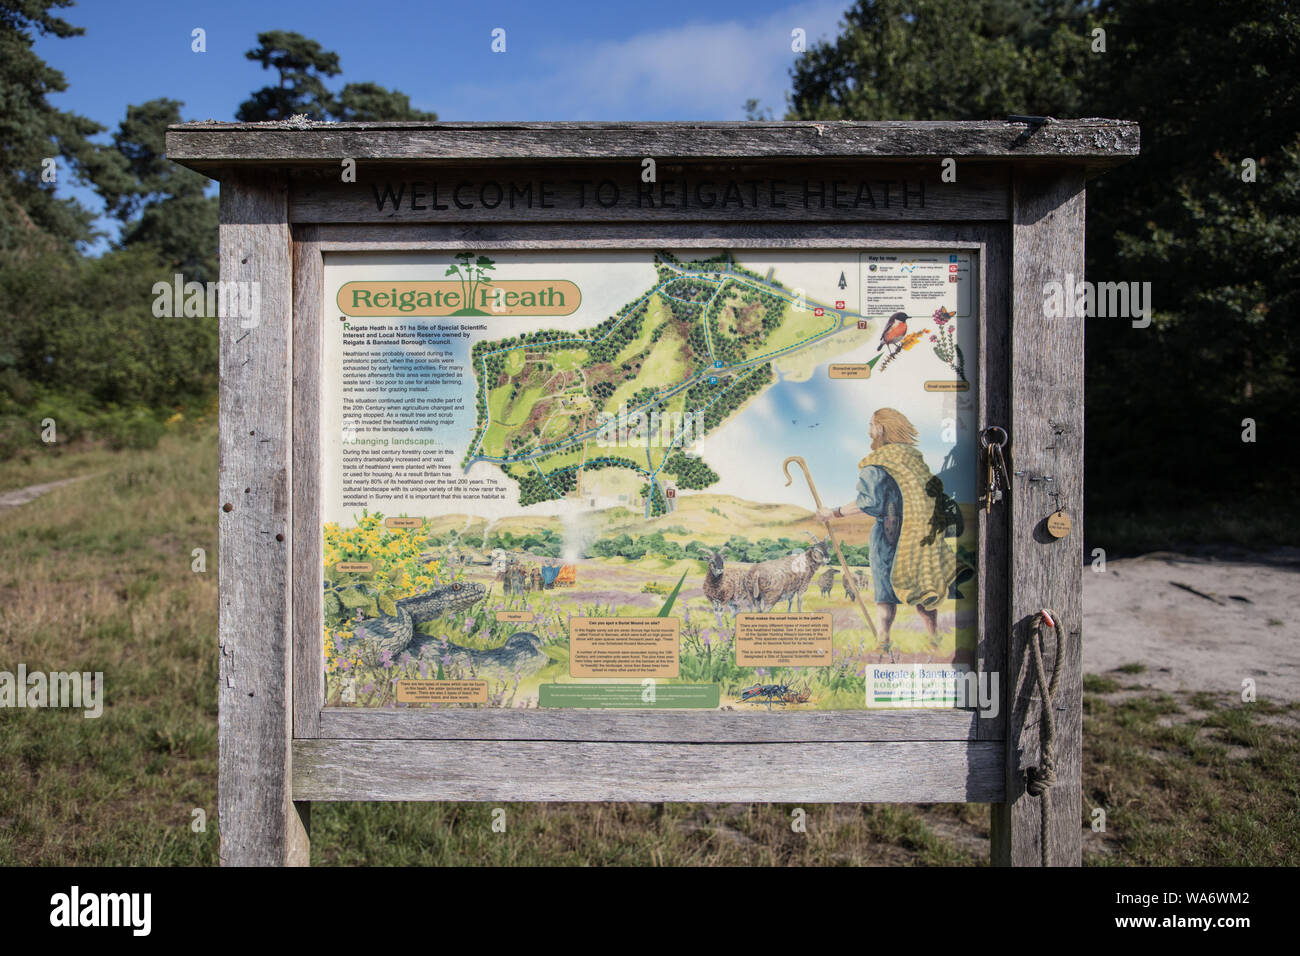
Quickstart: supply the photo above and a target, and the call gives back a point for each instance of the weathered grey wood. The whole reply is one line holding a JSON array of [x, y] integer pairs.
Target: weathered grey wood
[[348, 237], [206, 146], [995, 409], [259, 823], [931, 772], [1046, 386], [756, 726], [308, 571], [1029, 176], [614, 191]]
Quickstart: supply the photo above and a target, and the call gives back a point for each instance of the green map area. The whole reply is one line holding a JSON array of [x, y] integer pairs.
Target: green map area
[[665, 369]]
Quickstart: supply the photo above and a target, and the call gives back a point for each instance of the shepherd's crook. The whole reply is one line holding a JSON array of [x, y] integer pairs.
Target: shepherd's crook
[[844, 565]]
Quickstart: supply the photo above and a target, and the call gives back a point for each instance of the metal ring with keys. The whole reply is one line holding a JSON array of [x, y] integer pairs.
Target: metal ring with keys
[[994, 440]]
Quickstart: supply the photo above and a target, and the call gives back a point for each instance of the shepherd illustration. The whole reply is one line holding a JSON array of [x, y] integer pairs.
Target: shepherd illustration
[[910, 564]]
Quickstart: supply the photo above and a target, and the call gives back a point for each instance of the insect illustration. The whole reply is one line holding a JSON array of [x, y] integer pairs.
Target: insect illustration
[[799, 697], [775, 694]]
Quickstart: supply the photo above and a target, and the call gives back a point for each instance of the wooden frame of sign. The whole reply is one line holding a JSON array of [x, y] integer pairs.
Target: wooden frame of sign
[[1017, 204]]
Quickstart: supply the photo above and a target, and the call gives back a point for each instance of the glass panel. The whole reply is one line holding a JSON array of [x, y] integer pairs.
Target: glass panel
[[564, 479]]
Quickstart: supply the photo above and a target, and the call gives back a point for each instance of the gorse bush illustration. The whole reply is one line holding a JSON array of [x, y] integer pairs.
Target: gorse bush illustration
[[398, 570]]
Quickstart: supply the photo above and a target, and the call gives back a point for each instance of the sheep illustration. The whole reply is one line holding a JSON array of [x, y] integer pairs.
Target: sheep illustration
[[827, 581], [723, 586], [786, 579]]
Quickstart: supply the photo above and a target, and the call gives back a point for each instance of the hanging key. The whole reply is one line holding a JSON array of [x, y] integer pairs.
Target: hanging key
[[994, 439]]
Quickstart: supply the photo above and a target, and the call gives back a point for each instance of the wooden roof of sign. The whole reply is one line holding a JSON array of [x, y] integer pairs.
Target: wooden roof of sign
[[210, 147]]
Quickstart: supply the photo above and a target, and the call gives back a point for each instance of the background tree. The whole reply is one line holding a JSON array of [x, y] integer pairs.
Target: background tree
[[78, 338], [1211, 84], [301, 64], [32, 218], [946, 59], [158, 202], [370, 102]]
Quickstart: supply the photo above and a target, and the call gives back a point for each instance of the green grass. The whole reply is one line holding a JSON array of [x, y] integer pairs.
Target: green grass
[[564, 458], [656, 315], [515, 413], [52, 463], [569, 359], [96, 576], [1094, 684], [1182, 790], [662, 367], [507, 416], [795, 327], [629, 834]]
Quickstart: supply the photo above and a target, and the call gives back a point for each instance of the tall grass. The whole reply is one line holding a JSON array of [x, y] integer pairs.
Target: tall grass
[[96, 576]]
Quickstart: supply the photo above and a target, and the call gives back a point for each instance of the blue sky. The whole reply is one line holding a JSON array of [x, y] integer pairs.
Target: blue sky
[[660, 60]]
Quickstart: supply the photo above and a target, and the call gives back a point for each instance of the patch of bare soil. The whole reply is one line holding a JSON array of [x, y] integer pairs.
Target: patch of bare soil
[[1197, 623]]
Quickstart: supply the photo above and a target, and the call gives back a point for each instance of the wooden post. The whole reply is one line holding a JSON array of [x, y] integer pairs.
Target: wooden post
[[1046, 572], [259, 823]]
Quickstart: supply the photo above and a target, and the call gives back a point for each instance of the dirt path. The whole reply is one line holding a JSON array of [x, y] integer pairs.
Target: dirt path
[[20, 496], [1197, 623]]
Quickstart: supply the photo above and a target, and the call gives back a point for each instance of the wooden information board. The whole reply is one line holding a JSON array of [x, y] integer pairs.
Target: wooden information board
[[647, 462]]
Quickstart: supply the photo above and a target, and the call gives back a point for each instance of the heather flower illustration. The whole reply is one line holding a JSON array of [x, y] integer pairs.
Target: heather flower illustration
[[945, 342]]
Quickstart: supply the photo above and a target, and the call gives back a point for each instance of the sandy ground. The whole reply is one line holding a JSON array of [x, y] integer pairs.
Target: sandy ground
[[1197, 623]]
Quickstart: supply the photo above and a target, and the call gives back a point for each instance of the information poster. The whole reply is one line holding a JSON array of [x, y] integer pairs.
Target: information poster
[[563, 479]]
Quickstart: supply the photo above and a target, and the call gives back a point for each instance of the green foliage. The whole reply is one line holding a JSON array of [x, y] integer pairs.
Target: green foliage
[[79, 343], [88, 327], [622, 546], [533, 487], [158, 202], [32, 219], [1218, 84], [75, 418], [947, 59], [1211, 84], [738, 548], [730, 392], [302, 65], [691, 472], [543, 544], [655, 492], [370, 102]]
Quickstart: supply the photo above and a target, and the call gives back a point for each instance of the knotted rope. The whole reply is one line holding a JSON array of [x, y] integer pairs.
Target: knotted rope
[[1040, 779]]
